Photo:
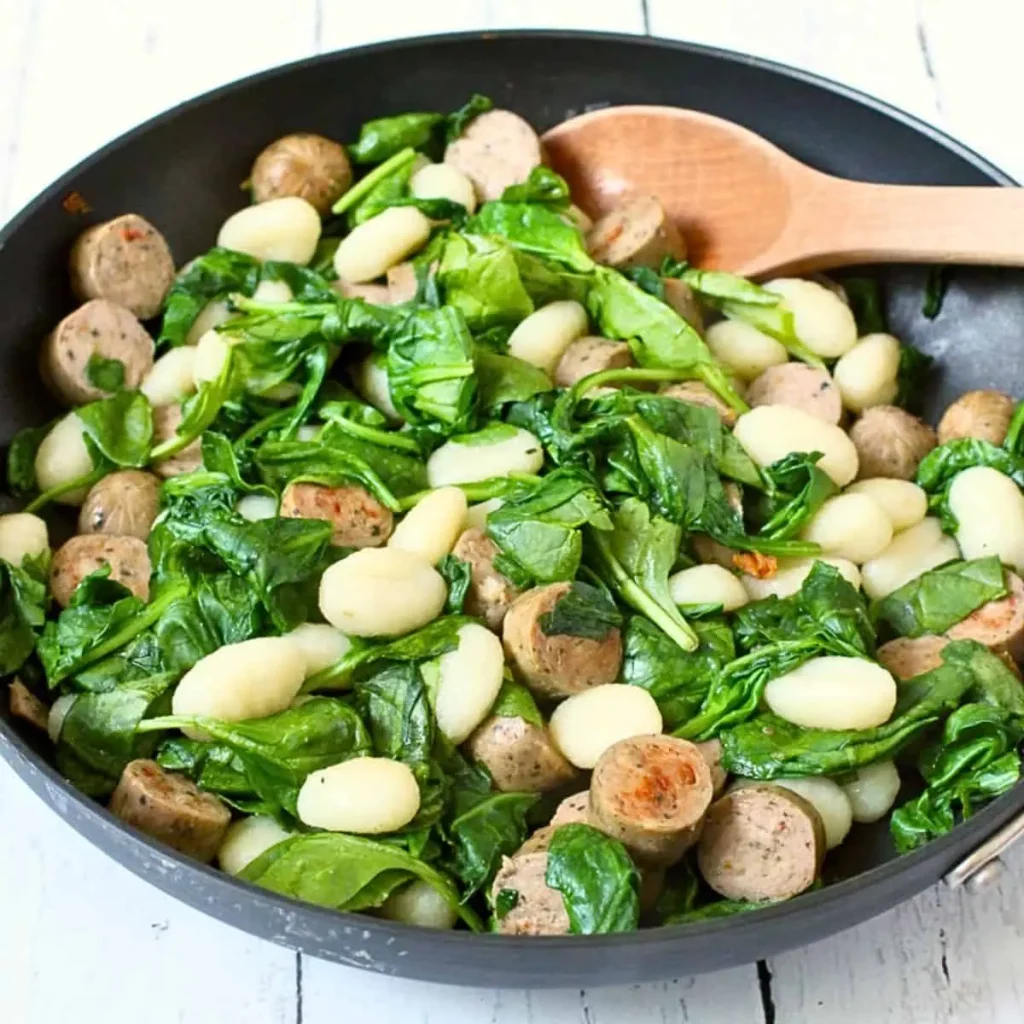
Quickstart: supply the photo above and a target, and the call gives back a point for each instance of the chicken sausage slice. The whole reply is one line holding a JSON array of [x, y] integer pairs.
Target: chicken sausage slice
[[357, 518], [97, 330], [761, 842], [496, 150], [401, 284], [906, 657], [651, 793], [890, 442], [798, 385], [573, 810], [590, 355], [697, 393], [637, 233], [490, 593], [304, 165], [538, 909], [999, 625], [124, 503], [982, 414], [558, 665], [124, 260], [72, 562], [171, 808], [24, 704], [520, 756], [375, 294], [166, 420], [683, 299], [711, 751]]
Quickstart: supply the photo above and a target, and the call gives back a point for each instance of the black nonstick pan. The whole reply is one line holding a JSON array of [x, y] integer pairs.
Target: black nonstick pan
[[182, 171]]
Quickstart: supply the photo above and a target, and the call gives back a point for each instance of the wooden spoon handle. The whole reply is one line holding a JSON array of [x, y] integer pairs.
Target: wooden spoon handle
[[838, 223]]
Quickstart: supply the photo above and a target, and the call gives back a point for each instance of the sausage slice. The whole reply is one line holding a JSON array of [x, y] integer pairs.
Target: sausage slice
[[98, 329], [357, 518], [711, 751], [905, 657], [72, 562], [520, 756], [24, 704], [124, 503], [591, 355], [999, 625], [638, 233], [890, 442], [401, 283], [490, 594], [982, 414], [799, 386], [171, 808], [573, 810], [538, 842], [556, 666], [125, 260], [683, 299], [166, 420], [697, 393], [651, 793], [375, 294], [304, 165], [761, 842], [538, 909], [496, 150]]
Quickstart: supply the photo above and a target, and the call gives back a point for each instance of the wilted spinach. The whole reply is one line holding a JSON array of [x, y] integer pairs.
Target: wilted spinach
[[105, 374], [584, 611], [23, 604]]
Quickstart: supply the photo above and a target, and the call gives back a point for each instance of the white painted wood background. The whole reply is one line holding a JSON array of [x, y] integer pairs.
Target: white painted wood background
[[82, 939]]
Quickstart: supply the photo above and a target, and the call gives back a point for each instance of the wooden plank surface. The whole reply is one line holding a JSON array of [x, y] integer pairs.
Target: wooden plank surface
[[81, 938]]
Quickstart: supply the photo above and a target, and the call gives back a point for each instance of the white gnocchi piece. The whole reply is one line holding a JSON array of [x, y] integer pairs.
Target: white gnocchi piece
[[791, 573], [251, 679], [381, 592], [850, 526], [707, 584], [989, 511], [499, 452], [476, 515], [419, 903], [911, 553], [432, 526], [469, 679], [172, 377], [58, 712], [770, 432], [321, 645], [273, 291], [212, 315], [903, 501], [22, 535], [586, 724], [833, 692], [246, 839], [829, 800], [744, 349], [279, 229], [873, 791], [212, 353], [443, 181], [62, 457], [308, 432], [370, 249], [542, 338], [255, 507], [822, 321], [365, 796], [370, 377], [866, 375]]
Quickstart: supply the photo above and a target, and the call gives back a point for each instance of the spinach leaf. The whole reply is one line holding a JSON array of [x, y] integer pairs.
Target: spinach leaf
[[598, 881], [975, 761], [459, 120], [719, 908], [21, 458], [635, 559], [345, 872], [307, 284], [515, 701], [121, 427], [941, 465], [214, 767], [995, 682], [457, 576], [105, 374], [911, 376], [797, 489], [537, 229], [938, 599], [866, 304], [935, 290], [383, 137], [23, 602], [542, 185], [199, 411], [493, 828], [394, 703], [584, 610], [505, 379], [718, 286], [216, 274]]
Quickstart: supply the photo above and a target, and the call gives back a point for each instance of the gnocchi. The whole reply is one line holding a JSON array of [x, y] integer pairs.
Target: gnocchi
[[744, 349], [431, 528], [989, 510], [379, 243], [365, 796], [866, 375], [791, 574], [22, 535], [542, 338], [62, 458], [321, 645], [443, 181], [173, 376], [707, 584], [493, 453], [873, 791], [246, 839], [255, 507], [850, 526], [903, 502], [279, 229], [419, 903], [914, 551], [822, 321], [469, 679]]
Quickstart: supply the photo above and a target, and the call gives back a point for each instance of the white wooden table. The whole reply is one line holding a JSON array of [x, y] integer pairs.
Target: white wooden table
[[82, 939]]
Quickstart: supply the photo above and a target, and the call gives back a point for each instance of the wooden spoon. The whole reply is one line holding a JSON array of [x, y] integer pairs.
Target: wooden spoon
[[745, 206]]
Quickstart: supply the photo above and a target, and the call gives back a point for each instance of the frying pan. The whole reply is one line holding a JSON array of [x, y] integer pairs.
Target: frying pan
[[182, 171]]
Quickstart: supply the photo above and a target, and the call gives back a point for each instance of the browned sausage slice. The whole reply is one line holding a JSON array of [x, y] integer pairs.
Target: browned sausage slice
[[591, 355], [559, 665], [999, 625], [890, 442], [800, 387], [124, 503], [357, 518], [711, 751], [538, 910], [98, 329], [982, 414], [682, 298], [490, 593], [24, 704], [538, 842], [638, 233], [72, 562], [401, 283], [761, 842], [651, 793], [166, 420], [304, 165], [375, 294], [125, 260], [573, 810], [697, 393], [498, 149], [171, 808], [905, 657], [520, 756]]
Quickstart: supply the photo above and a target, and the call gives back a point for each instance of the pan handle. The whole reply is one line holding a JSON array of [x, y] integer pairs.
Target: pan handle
[[984, 865]]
